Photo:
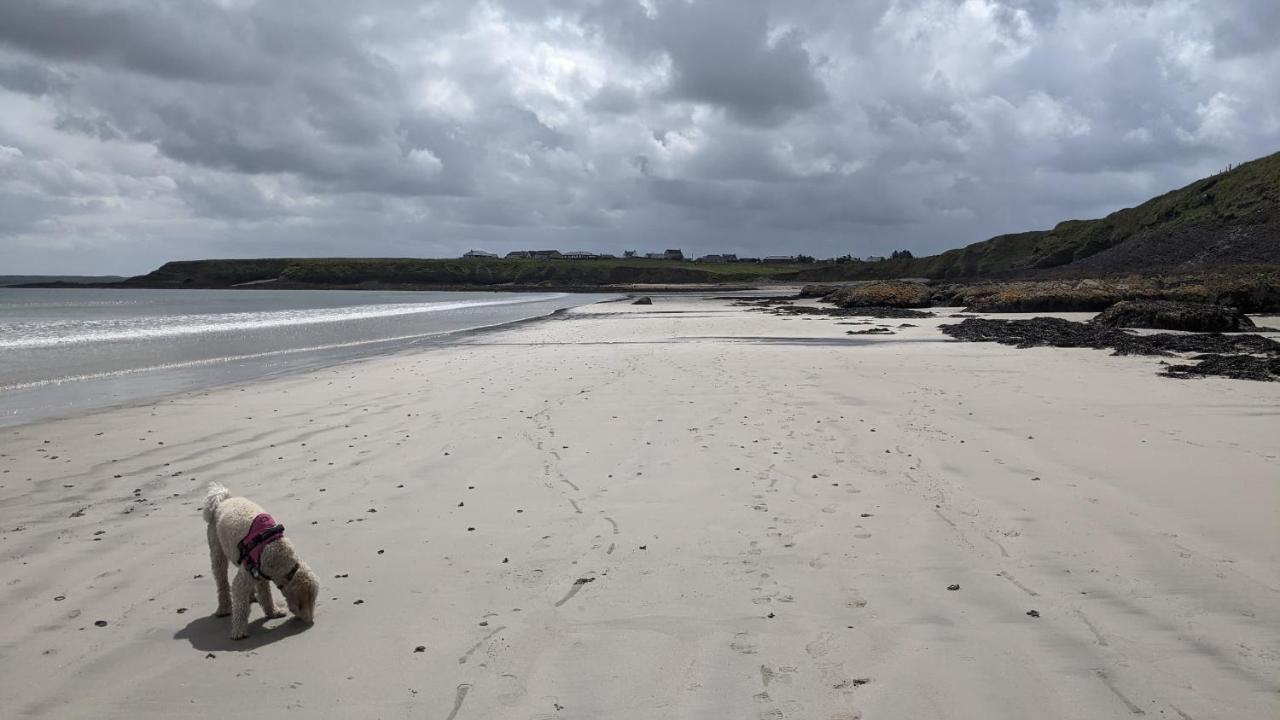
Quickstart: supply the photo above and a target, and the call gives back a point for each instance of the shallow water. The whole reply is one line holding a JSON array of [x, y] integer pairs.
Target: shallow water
[[65, 351]]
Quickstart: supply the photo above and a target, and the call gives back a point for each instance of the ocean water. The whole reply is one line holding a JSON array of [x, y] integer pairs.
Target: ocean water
[[64, 352]]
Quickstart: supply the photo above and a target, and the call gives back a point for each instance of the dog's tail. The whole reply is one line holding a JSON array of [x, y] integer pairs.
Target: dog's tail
[[216, 494]]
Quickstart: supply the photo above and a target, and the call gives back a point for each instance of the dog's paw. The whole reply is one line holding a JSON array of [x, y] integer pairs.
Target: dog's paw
[[239, 636], [275, 613]]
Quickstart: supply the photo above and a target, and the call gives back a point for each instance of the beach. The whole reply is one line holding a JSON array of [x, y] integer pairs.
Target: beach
[[684, 510]]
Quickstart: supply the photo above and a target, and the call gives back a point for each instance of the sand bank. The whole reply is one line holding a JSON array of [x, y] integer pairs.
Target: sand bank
[[685, 510]]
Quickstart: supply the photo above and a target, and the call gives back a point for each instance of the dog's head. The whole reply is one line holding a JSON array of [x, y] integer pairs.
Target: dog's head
[[300, 593]]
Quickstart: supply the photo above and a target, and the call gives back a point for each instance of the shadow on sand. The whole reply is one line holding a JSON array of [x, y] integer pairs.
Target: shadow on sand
[[211, 633]]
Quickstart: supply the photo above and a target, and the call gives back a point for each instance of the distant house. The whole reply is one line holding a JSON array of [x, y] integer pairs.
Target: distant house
[[479, 254], [780, 259], [628, 253], [534, 254], [578, 255], [727, 258], [517, 254], [672, 255]]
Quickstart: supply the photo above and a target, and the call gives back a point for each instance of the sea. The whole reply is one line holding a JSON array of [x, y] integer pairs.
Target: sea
[[66, 352]]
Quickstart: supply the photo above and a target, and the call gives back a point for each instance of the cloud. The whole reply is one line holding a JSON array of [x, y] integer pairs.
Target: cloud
[[137, 131]]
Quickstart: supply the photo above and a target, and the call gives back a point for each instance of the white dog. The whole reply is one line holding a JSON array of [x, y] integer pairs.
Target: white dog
[[241, 532]]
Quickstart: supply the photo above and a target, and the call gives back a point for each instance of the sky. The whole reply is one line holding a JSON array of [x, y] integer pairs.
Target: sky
[[133, 132]]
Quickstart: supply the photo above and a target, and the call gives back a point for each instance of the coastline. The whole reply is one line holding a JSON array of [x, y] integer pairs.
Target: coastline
[[71, 396], [765, 515]]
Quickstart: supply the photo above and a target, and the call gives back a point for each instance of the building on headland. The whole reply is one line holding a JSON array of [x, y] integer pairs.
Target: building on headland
[[578, 255], [479, 254], [672, 255], [724, 258], [780, 259], [542, 254]]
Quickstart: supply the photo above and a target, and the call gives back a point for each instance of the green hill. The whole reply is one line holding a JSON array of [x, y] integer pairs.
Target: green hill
[[479, 272], [1229, 218], [1232, 218]]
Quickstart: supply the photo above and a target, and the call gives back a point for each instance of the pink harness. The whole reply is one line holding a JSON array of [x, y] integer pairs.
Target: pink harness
[[262, 532]]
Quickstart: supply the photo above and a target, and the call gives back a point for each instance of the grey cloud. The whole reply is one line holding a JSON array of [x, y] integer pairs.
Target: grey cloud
[[1247, 27], [136, 131], [191, 41], [31, 78]]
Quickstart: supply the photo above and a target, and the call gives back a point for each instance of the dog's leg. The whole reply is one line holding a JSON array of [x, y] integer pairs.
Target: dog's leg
[[241, 593], [218, 561], [265, 600]]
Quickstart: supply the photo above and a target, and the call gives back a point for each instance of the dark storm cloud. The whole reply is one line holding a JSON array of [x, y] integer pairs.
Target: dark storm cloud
[[721, 53], [139, 130], [190, 41], [30, 78]]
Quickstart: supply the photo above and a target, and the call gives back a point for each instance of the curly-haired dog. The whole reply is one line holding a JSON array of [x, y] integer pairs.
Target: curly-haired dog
[[240, 531]]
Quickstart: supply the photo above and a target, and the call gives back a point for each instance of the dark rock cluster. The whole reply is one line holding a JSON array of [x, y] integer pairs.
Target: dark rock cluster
[[1169, 315], [1247, 357]]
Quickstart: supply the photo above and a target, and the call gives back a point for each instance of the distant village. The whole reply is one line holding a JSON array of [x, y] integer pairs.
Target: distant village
[[678, 255]]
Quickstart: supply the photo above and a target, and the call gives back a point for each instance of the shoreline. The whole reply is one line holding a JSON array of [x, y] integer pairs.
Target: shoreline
[[408, 287], [321, 358], [680, 510]]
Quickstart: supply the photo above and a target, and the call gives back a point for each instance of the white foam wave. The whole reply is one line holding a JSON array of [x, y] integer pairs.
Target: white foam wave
[[230, 358], [61, 332]]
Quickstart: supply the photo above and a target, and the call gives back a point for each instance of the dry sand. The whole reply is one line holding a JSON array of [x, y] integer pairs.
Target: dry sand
[[686, 510]]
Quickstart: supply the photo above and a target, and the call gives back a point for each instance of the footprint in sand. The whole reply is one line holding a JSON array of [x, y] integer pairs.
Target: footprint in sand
[[821, 645], [510, 690], [744, 643], [854, 599]]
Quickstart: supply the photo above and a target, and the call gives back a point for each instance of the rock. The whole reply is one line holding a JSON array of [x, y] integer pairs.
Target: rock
[[646, 300], [887, 293], [817, 291], [1033, 613], [1252, 291], [872, 311], [953, 587], [1170, 315], [1235, 367], [1230, 356], [870, 331]]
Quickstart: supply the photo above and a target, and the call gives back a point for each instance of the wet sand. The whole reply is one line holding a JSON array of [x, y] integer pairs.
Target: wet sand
[[685, 510]]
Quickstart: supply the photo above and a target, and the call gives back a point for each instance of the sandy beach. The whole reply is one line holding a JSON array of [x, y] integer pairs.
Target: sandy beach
[[684, 510]]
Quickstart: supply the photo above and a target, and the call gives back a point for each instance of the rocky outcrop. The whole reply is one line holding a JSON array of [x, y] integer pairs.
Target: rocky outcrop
[[1169, 315], [817, 291], [889, 293], [1251, 291], [1244, 357], [646, 300]]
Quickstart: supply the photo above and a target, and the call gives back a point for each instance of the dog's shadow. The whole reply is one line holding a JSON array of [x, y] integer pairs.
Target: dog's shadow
[[211, 633]]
